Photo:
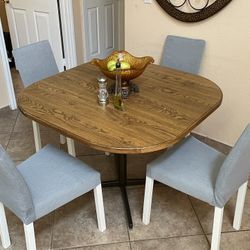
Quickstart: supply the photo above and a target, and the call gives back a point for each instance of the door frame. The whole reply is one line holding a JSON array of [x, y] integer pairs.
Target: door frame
[[68, 33], [6, 71]]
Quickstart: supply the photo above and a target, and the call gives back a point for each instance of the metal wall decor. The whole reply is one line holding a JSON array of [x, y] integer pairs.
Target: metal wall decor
[[205, 9]]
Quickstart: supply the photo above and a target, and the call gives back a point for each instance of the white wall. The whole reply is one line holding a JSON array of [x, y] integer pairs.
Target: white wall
[[226, 60]]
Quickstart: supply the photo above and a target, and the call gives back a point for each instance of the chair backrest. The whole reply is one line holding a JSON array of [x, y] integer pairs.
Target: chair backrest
[[183, 53], [234, 170], [14, 192], [35, 62]]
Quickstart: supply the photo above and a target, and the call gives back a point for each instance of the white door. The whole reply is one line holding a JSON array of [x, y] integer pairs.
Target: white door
[[35, 20], [101, 27]]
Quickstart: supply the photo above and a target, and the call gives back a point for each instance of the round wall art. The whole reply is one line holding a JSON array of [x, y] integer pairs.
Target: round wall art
[[192, 10]]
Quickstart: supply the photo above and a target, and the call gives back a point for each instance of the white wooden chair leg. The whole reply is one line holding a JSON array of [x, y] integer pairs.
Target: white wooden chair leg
[[217, 225], [62, 139], [147, 200], [30, 236], [4, 232], [99, 208], [71, 147], [37, 136], [239, 206]]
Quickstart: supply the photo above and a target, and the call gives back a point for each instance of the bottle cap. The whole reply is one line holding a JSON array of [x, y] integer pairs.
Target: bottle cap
[[101, 79]]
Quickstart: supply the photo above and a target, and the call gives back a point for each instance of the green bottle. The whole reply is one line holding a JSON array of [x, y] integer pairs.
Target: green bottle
[[118, 103]]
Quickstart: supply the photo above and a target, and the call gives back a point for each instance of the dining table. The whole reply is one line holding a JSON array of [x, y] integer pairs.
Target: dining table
[[168, 106]]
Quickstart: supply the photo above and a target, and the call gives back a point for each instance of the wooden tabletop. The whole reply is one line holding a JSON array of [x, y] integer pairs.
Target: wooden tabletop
[[170, 104]]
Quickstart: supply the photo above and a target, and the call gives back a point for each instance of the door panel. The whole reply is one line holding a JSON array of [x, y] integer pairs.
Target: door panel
[[93, 28], [21, 23], [109, 26], [34, 20], [42, 26], [100, 22]]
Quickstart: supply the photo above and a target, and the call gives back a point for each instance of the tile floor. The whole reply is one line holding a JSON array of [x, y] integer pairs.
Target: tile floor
[[177, 222]]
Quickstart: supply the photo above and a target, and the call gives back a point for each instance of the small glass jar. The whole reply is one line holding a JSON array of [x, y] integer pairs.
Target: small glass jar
[[103, 96]]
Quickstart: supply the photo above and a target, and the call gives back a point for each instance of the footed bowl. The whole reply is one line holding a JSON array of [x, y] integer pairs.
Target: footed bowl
[[137, 65]]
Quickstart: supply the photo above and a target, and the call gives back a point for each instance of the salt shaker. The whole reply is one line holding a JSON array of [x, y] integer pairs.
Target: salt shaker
[[103, 96]]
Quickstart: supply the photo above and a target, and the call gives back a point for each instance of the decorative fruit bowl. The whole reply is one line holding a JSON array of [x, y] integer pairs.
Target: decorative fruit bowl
[[135, 66]]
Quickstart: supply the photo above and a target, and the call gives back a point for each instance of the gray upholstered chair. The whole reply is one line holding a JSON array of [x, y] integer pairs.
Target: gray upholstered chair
[[182, 53], [198, 170], [44, 182], [34, 63]]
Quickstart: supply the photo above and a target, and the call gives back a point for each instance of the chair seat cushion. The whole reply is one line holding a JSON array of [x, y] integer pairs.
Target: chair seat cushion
[[55, 178], [190, 167]]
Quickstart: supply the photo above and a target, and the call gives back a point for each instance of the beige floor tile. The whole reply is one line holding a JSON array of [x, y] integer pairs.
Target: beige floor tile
[[43, 229], [76, 226], [234, 241], [24, 124], [7, 119], [172, 214], [102, 163], [4, 139], [205, 213], [21, 146], [197, 242], [117, 246]]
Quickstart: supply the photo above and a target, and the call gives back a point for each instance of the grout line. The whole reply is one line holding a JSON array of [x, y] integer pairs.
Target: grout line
[[198, 220], [12, 131], [169, 237]]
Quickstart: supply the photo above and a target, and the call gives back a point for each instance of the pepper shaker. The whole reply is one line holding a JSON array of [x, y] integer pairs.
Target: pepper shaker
[[103, 96]]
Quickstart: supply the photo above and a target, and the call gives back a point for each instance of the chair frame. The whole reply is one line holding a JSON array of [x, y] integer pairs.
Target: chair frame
[[29, 229], [218, 212]]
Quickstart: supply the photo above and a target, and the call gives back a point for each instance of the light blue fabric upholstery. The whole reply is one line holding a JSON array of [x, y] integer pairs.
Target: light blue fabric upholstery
[[182, 53], [14, 192], [235, 169], [202, 172], [190, 167], [35, 62], [44, 182], [55, 178]]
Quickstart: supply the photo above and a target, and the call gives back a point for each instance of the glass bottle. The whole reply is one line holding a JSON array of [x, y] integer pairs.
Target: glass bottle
[[118, 103]]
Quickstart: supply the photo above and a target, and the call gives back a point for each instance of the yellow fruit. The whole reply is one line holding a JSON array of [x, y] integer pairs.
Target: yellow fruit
[[125, 65], [112, 68], [111, 65]]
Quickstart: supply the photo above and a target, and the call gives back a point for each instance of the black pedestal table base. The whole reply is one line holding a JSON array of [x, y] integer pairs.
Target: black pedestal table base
[[122, 182]]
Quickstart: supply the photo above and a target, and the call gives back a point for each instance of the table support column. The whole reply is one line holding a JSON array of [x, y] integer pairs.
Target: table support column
[[121, 163]]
